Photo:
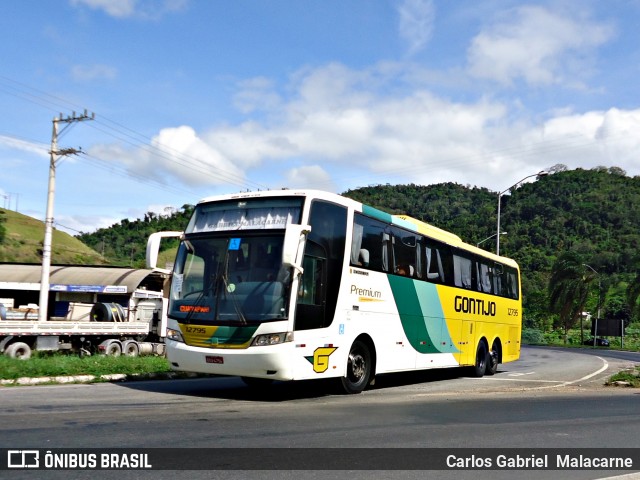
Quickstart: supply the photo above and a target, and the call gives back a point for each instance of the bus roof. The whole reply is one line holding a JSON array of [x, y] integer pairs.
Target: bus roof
[[399, 220]]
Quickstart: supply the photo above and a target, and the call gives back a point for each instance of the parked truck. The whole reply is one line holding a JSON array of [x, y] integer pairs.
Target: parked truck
[[134, 325]]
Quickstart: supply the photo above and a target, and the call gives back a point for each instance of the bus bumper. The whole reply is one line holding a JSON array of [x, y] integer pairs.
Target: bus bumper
[[273, 362]]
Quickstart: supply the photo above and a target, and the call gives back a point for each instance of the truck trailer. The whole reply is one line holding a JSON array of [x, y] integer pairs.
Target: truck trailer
[[125, 316]]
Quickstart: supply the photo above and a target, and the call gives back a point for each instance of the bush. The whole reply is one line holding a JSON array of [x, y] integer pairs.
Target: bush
[[532, 336]]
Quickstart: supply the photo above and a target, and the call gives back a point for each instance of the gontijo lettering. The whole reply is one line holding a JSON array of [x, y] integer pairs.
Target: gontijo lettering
[[474, 306]]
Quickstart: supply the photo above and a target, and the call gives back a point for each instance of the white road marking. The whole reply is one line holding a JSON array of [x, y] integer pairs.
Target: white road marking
[[556, 383], [604, 367]]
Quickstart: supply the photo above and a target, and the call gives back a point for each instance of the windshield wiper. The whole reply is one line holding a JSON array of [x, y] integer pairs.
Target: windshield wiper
[[226, 288]]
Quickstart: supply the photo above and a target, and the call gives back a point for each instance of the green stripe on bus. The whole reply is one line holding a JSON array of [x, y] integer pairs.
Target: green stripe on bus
[[377, 214], [421, 315], [387, 217]]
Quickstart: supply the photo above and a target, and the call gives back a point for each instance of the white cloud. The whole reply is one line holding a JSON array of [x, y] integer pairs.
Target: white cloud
[[256, 94], [74, 224], [540, 46], [337, 116], [114, 8], [24, 145], [416, 23], [146, 9], [342, 129], [310, 176], [89, 73], [176, 154], [591, 139]]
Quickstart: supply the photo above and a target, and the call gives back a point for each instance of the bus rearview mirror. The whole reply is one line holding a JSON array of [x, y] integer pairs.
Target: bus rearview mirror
[[153, 248], [293, 244]]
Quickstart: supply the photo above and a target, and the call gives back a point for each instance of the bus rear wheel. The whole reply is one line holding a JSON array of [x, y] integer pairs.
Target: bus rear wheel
[[493, 358], [482, 359], [358, 368]]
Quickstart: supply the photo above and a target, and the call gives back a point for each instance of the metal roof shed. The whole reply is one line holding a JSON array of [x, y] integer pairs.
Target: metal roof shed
[[73, 283], [27, 277]]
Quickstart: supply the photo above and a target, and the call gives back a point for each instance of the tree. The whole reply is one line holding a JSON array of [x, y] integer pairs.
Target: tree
[[633, 293], [618, 309], [569, 288]]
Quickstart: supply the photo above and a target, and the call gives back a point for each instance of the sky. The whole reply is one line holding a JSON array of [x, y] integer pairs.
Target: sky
[[202, 97]]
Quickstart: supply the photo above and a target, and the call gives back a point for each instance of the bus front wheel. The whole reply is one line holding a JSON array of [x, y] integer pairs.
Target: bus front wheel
[[358, 368]]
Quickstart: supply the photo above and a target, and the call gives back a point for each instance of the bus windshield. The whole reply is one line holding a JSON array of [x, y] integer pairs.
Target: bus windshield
[[230, 279]]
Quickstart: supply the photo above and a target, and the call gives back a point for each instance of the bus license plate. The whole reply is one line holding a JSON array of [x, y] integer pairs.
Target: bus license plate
[[214, 359]]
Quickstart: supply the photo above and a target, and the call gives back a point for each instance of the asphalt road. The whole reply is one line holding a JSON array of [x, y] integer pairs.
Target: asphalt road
[[551, 398]]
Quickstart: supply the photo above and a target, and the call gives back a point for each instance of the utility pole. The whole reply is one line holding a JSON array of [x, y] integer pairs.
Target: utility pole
[[48, 222]]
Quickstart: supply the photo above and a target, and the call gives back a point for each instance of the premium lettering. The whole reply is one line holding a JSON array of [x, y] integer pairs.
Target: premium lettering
[[365, 292]]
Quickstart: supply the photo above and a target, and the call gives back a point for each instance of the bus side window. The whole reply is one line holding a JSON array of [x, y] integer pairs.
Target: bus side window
[[512, 283], [434, 265], [484, 276], [367, 244], [462, 271], [498, 280], [359, 256], [406, 258]]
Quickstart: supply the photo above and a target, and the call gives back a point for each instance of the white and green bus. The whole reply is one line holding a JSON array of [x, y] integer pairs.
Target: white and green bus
[[304, 284]]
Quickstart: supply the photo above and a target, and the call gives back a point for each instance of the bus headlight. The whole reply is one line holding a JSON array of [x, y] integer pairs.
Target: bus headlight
[[272, 339], [174, 335]]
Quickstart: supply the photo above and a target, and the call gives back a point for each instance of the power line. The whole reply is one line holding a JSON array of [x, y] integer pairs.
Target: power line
[[127, 135]]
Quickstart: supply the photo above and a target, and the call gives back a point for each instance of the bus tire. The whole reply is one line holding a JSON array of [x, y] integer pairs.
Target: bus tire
[[493, 358], [359, 366], [482, 358], [19, 350]]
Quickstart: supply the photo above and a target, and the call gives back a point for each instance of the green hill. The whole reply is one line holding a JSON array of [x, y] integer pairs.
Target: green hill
[[21, 239], [125, 243]]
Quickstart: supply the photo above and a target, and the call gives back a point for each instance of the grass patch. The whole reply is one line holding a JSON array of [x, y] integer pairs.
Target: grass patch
[[43, 365], [626, 378]]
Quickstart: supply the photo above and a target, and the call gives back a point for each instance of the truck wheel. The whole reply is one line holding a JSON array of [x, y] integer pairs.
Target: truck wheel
[[112, 348], [18, 350], [130, 348]]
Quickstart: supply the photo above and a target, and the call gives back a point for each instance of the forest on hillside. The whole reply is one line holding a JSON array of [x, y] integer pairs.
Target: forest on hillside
[[594, 214], [125, 243]]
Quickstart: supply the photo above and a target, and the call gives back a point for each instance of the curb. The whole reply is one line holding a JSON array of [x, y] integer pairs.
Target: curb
[[116, 377]]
